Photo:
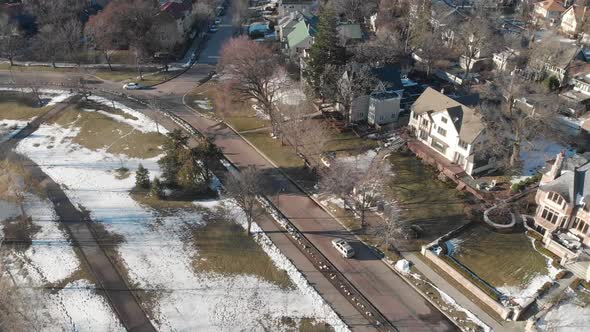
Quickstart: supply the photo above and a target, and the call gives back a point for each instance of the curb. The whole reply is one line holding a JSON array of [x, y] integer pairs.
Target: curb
[[384, 260]]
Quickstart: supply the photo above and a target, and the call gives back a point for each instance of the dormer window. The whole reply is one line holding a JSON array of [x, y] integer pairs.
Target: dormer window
[[555, 197], [444, 120]]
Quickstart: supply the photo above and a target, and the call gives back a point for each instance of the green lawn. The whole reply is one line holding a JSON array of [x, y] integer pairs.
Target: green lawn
[[435, 206], [501, 259]]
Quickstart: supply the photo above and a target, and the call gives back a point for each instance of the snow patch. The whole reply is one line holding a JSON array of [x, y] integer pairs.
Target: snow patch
[[141, 121]]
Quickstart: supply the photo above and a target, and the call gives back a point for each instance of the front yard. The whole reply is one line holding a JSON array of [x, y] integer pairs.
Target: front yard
[[508, 262]]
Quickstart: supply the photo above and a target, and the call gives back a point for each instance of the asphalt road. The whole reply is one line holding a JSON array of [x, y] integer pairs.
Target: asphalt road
[[402, 306]]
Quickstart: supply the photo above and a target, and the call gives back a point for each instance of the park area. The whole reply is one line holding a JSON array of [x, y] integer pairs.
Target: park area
[[223, 278]]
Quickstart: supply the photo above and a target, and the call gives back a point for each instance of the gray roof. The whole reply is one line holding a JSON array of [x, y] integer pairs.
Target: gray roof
[[467, 122], [574, 181]]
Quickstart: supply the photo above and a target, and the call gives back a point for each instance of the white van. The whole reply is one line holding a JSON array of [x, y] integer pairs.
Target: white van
[[343, 247]]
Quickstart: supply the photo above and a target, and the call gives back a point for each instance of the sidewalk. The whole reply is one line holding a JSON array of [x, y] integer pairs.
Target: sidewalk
[[457, 295]]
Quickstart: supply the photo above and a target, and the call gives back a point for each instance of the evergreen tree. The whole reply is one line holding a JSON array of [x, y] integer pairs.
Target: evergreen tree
[[209, 155], [142, 177], [157, 190], [326, 49], [171, 163]]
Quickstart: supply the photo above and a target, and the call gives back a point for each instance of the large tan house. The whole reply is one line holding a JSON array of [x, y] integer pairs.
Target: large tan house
[[563, 209], [452, 130]]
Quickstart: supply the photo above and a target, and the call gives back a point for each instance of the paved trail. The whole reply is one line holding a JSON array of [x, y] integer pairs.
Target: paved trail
[[109, 280]]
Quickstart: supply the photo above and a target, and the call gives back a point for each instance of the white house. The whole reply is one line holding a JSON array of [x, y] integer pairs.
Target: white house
[[452, 130], [382, 105], [285, 7], [549, 9], [572, 19], [506, 59]]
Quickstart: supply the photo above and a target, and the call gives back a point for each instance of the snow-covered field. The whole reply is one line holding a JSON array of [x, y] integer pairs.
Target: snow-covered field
[[9, 128], [571, 315], [157, 251], [50, 259]]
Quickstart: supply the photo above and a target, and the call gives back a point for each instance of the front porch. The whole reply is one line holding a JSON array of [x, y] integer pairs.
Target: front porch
[[426, 153]]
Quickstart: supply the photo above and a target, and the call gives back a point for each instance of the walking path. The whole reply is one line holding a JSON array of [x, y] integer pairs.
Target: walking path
[[109, 280]]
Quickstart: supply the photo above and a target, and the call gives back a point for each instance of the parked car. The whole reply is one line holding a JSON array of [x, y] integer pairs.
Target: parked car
[[213, 28], [217, 20], [343, 247], [132, 86]]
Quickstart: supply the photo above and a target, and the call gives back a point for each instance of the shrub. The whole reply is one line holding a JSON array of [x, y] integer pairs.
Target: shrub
[[142, 177], [552, 83], [545, 288], [561, 274]]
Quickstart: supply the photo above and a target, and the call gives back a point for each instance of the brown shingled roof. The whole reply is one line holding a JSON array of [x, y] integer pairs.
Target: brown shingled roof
[[467, 122]]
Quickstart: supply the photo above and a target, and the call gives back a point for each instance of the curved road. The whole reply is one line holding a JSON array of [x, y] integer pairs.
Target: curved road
[[400, 303]]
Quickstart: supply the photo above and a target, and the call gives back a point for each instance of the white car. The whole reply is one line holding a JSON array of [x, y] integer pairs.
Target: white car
[[213, 28], [132, 86], [217, 20], [343, 247]]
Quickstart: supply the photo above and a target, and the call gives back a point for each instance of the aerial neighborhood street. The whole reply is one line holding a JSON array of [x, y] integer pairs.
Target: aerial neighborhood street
[[294, 165]]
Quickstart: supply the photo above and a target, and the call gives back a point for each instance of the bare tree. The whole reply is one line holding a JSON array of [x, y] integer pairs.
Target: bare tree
[[254, 73], [343, 85], [361, 185], [314, 140], [384, 48], [103, 33], [11, 39], [474, 38], [392, 228], [244, 188], [509, 124], [432, 50], [355, 10]]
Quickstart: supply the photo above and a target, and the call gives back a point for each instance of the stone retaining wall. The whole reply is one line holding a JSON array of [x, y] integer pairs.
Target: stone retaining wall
[[501, 310]]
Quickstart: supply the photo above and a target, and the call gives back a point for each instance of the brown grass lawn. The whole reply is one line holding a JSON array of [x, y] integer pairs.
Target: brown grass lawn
[[18, 106], [501, 259], [435, 206], [238, 113], [99, 131], [224, 247]]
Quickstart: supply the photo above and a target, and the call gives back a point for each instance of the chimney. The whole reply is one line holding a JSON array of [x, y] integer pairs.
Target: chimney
[[555, 171]]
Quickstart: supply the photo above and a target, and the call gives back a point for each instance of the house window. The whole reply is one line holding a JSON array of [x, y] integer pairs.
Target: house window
[[550, 215], [423, 135], [441, 131], [555, 197], [425, 122], [440, 147], [444, 120], [585, 229], [463, 144], [576, 222], [414, 115]]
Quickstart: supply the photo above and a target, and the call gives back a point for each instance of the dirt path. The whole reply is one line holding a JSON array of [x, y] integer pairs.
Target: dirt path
[[109, 280]]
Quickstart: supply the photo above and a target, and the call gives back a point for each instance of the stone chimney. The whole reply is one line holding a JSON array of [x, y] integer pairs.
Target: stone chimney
[[555, 170]]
